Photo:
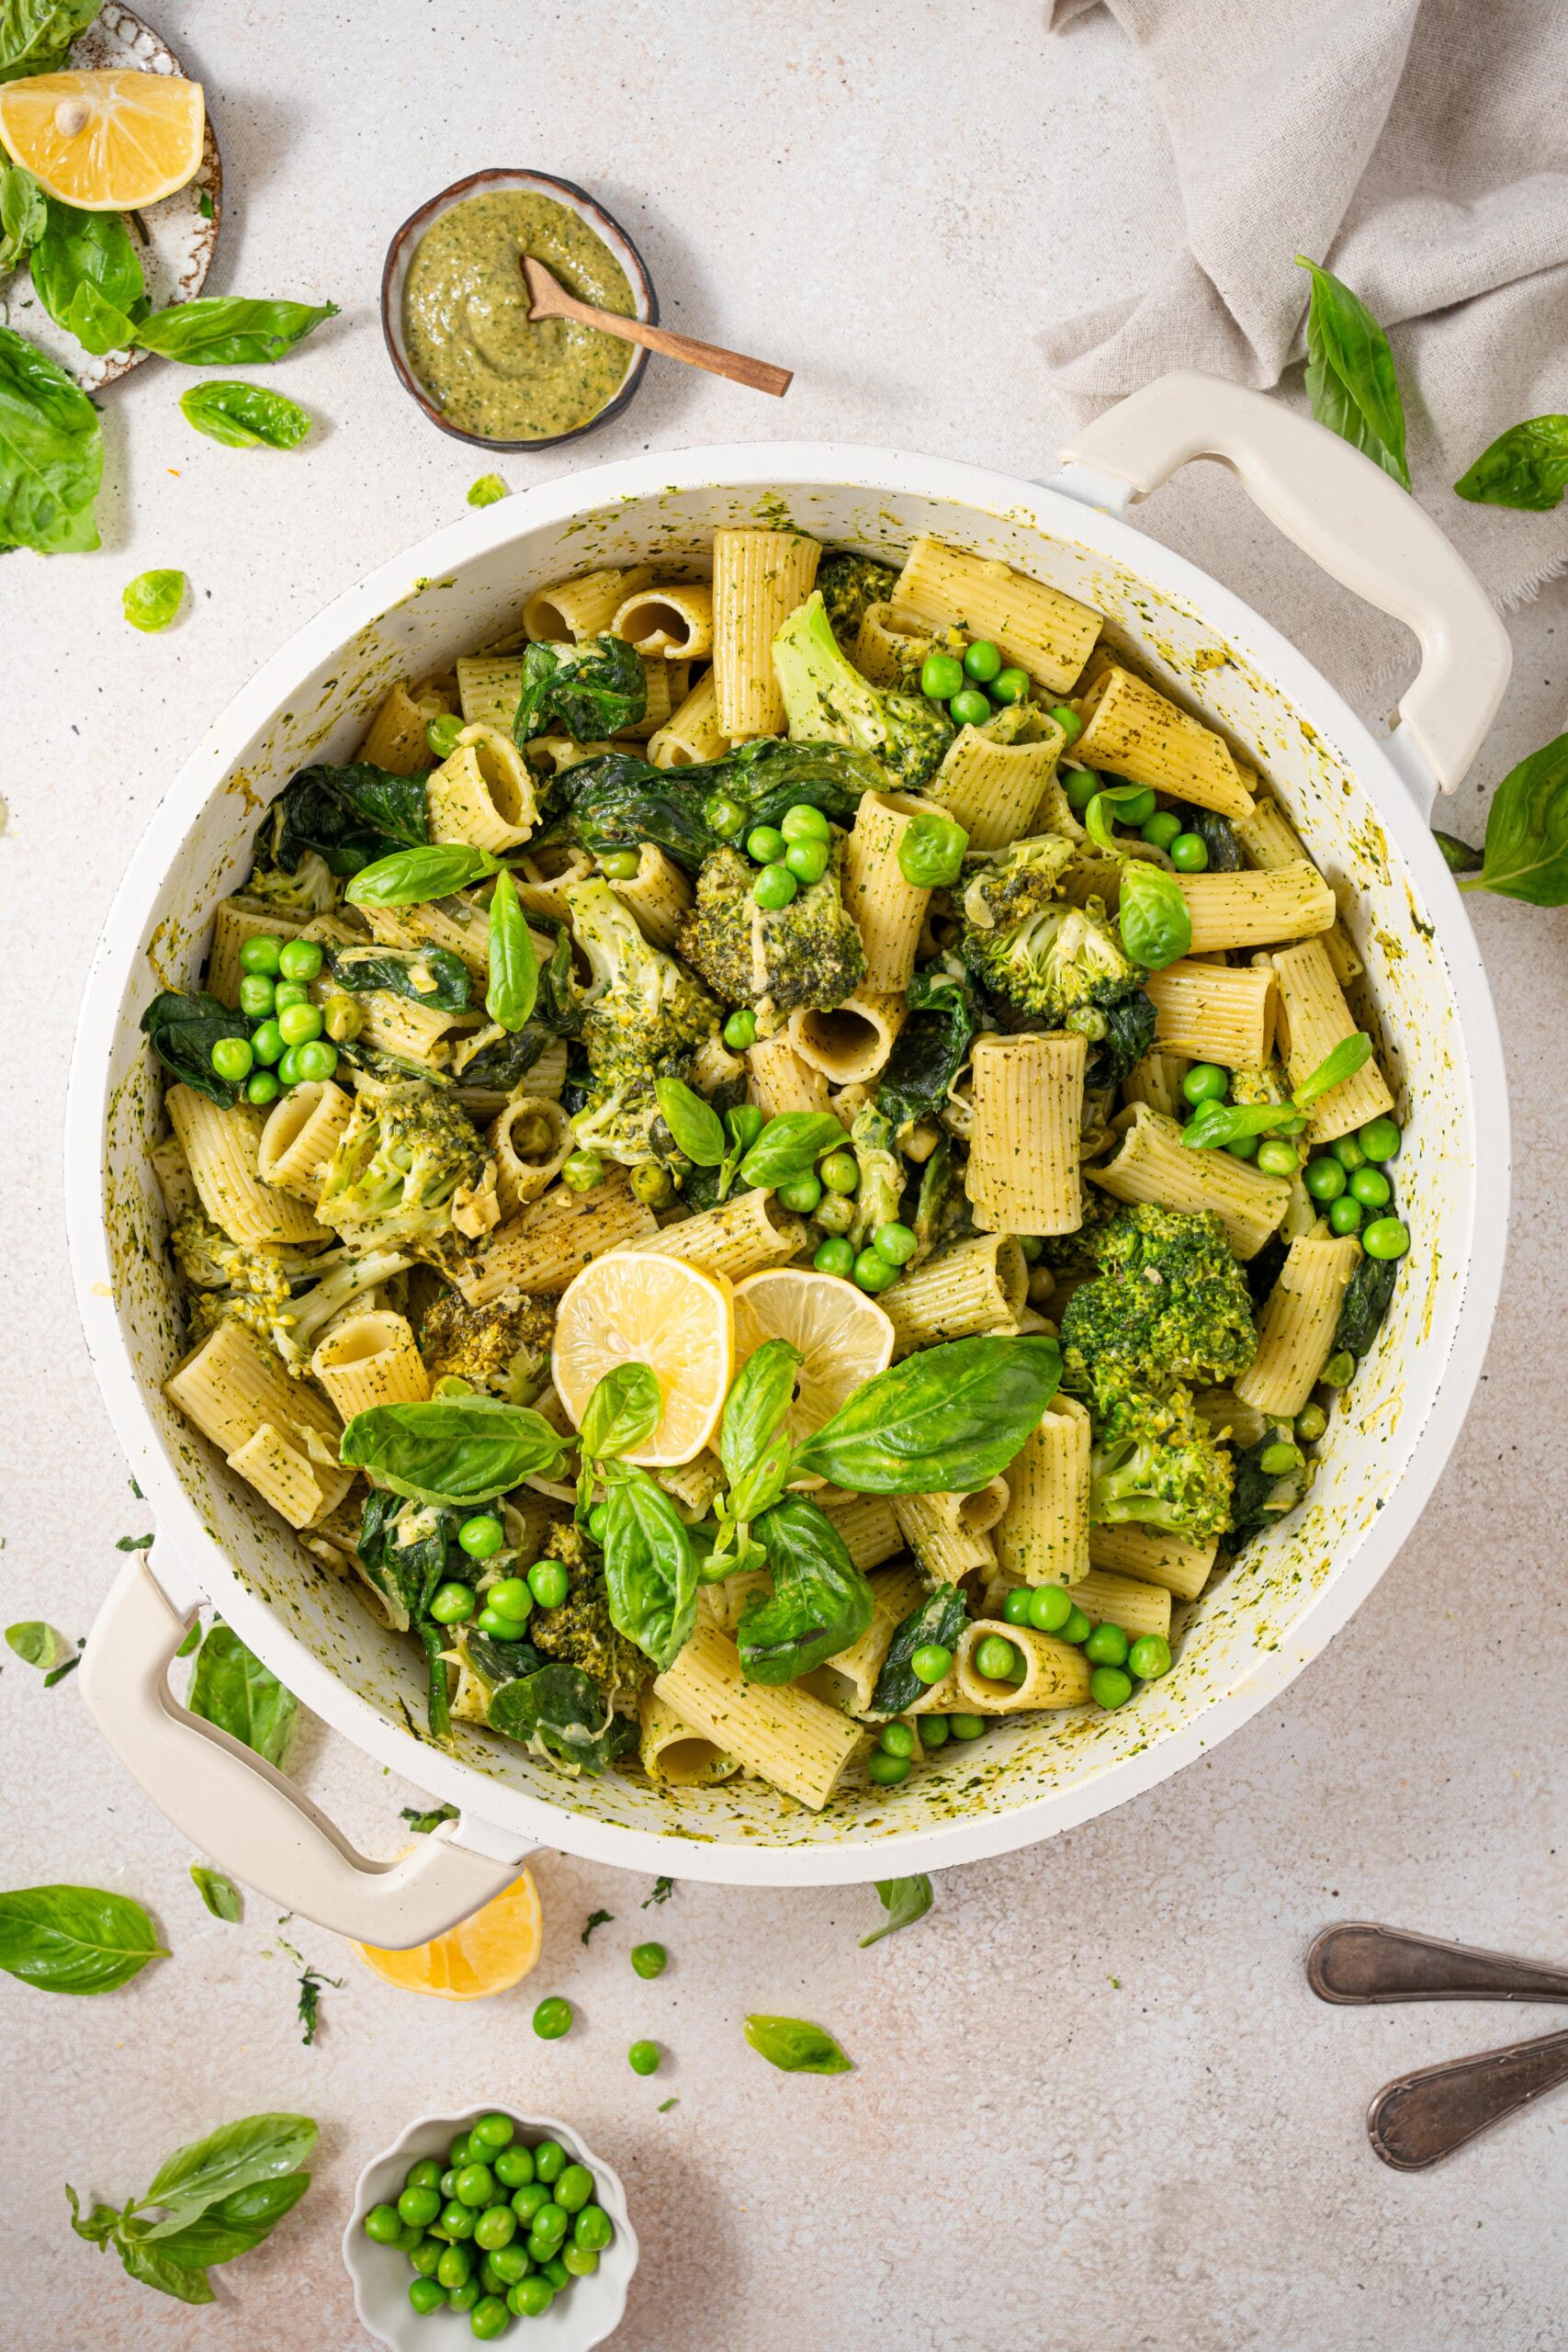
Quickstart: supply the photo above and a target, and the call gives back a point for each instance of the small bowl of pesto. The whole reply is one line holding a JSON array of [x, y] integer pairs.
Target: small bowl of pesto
[[455, 311]]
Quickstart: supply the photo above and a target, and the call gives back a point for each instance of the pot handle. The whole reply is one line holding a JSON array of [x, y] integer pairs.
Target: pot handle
[[1344, 511], [243, 1812]]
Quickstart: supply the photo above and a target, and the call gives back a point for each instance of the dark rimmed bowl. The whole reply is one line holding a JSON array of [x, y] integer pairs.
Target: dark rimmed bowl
[[394, 277]]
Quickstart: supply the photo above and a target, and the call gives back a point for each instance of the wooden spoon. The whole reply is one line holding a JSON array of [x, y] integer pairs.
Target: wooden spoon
[[551, 300]]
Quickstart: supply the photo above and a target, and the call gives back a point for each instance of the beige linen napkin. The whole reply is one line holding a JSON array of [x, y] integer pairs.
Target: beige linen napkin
[[1420, 148]]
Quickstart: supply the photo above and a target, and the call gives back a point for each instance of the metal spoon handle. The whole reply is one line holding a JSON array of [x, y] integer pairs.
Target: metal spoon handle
[[1421, 2117], [1360, 1962]]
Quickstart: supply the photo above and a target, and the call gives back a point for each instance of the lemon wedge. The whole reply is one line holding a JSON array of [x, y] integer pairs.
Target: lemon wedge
[[106, 142], [488, 1953], [844, 1338], [632, 1306]]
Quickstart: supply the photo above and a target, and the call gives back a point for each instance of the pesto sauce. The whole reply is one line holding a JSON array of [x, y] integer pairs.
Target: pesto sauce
[[465, 318]]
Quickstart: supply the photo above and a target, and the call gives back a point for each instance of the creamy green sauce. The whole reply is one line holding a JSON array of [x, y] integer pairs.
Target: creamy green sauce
[[465, 318]]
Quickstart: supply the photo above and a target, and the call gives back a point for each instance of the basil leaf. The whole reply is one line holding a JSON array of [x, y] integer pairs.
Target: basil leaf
[[35, 35], [695, 1126], [514, 968], [560, 1713], [97, 326], [150, 2268], [790, 1146], [74, 1938], [399, 971], [1525, 467], [820, 1602], [52, 454], [37, 1643], [487, 491], [1213, 1124], [232, 2226], [930, 852], [625, 1408], [412, 875], [236, 2157], [221, 1896], [183, 1030], [88, 253], [590, 691], [1348, 1056], [461, 1451], [1102, 805], [1351, 379], [350, 816], [99, 2225], [905, 1900], [244, 416], [940, 1617], [1527, 832], [230, 331], [232, 1688], [760, 1395], [1459, 857], [152, 600], [650, 1567], [795, 2046], [944, 1421], [425, 1822], [24, 215], [1153, 916]]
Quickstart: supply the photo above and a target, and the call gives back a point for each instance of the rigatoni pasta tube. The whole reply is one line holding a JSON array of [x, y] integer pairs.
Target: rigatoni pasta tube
[[300, 1136], [674, 620], [1156, 1080], [1254, 910], [738, 1237], [583, 607], [664, 687], [232, 924], [1314, 1019], [395, 740], [553, 1240], [782, 1733], [1271, 841], [1054, 1675], [994, 790], [1043, 1534], [490, 688], [692, 734], [299, 1488], [673, 1752], [1213, 1012], [370, 1360], [1108, 1600], [1138, 734], [1154, 1557], [979, 1285], [1038, 628], [889, 911], [852, 1043], [948, 1540], [1151, 1163], [779, 1081], [543, 882], [233, 1382], [1024, 1141], [482, 794], [532, 1141], [870, 1531], [758, 578], [658, 893], [221, 1147], [1296, 1334], [886, 653]]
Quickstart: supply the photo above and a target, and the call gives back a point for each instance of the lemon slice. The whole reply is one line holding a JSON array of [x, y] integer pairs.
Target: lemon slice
[[107, 142], [633, 1306], [488, 1953], [844, 1338]]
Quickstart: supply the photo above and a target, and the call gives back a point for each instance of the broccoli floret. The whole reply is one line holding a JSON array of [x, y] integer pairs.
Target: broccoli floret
[[645, 1018], [503, 1351], [1153, 1461], [408, 1172], [1169, 1302], [257, 1286], [1043, 954], [880, 1188], [310, 889], [1005, 886], [828, 700], [848, 585], [580, 1632], [775, 959]]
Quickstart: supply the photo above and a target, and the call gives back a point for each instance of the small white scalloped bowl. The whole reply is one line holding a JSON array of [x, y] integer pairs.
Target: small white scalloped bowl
[[575, 2322]]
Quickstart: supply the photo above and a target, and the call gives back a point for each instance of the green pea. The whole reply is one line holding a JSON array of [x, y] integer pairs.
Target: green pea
[[300, 959], [267, 1043], [542, 2250], [765, 845], [1277, 1461], [531, 2298], [941, 677], [527, 2201], [343, 1018], [1244, 1148], [967, 1726], [1049, 1608], [930, 1662], [512, 1597], [801, 1194], [1325, 1179], [1009, 686], [447, 2184], [1339, 1370], [1311, 1422], [455, 2265], [1080, 784], [426, 2296], [1277, 1157], [441, 734], [453, 1604], [894, 1242], [872, 1271], [970, 708], [263, 1086], [384, 2225], [1380, 1138], [1370, 1187], [556, 2271], [424, 2258], [507, 2264], [1137, 810], [1206, 1083], [499, 1626], [551, 2020], [481, 1537], [581, 1170], [840, 1172], [456, 2218], [1074, 1626], [1189, 852], [740, 1031], [1109, 1686], [1149, 1657], [619, 864], [643, 2057], [1385, 1237], [300, 1024], [1161, 828], [419, 2206], [1015, 1608], [726, 816], [745, 1124], [1067, 719], [649, 1960], [888, 1770], [1347, 1152], [574, 2188], [548, 1583], [895, 1739], [255, 995], [807, 861], [834, 1257], [551, 2222], [261, 954], [653, 1184], [457, 2154], [580, 2261], [1345, 1214], [489, 2317], [776, 886], [464, 2298], [550, 2160], [318, 1060], [983, 660], [497, 2226], [804, 823], [231, 1057], [934, 1731], [288, 993], [999, 1660], [1107, 1645], [514, 2167], [475, 2184]]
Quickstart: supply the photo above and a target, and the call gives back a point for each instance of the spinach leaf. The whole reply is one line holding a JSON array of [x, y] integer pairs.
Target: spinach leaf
[[1152, 915], [400, 972], [221, 1895], [52, 454], [1527, 832], [232, 1688], [309, 2006], [1218, 836], [229, 330], [236, 2157], [932, 1195], [1365, 1303], [695, 1126], [513, 986], [350, 816], [931, 1046], [24, 215], [560, 1713], [36, 35], [625, 1408], [770, 774], [820, 1602], [232, 2225], [461, 1451], [946, 1421], [795, 2047], [1351, 379], [497, 1662], [941, 1618], [562, 1001], [1129, 1034], [650, 1567], [153, 599], [790, 1146], [74, 1938], [183, 1029], [244, 416], [87, 254], [663, 1888], [1251, 1488], [590, 691], [403, 1545], [37, 1643], [500, 1064], [905, 1900], [1526, 467], [410, 877], [620, 801], [433, 1639]]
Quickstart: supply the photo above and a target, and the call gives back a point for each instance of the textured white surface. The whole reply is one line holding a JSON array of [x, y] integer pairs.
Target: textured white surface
[[893, 199]]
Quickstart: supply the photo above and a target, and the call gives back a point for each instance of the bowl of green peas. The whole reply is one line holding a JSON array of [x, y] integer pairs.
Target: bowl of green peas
[[470, 2226]]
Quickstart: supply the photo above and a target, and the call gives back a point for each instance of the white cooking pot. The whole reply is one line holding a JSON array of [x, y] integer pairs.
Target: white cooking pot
[[1360, 803]]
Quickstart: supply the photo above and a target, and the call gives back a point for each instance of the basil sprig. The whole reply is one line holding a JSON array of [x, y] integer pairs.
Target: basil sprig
[[460, 1450], [1526, 855], [1525, 467], [695, 1126], [1350, 378], [650, 1567], [232, 1688], [513, 989], [789, 1146], [217, 2199], [754, 1448], [1153, 918], [74, 1938], [411, 875], [820, 1602], [904, 1900], [946, 1421], [796, 2046], [1213, 1124]]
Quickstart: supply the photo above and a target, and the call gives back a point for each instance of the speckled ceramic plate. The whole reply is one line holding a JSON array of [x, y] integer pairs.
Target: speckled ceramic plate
[[176, 239]]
